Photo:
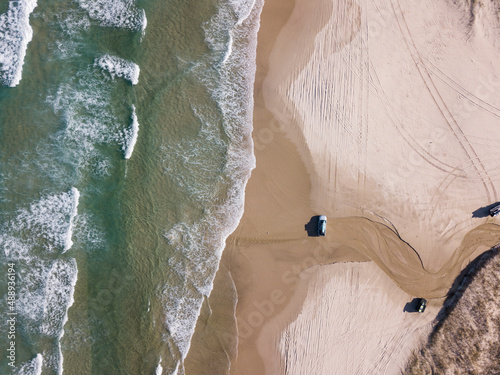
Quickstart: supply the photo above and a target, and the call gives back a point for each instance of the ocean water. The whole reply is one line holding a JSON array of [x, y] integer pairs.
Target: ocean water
[[125, 147]]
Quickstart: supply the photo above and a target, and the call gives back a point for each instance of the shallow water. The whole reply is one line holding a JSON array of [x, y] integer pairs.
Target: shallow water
[[125, 150]]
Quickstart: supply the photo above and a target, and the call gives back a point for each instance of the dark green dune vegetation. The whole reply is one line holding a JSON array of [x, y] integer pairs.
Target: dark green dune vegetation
[[465, 339]]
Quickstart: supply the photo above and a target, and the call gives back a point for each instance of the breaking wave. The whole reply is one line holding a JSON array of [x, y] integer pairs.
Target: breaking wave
[[116, 13], [50, 219], [32, 367], [131, 135], [47, 278], [58, 298], [15, 34], [159, 368], [118, 67], [90, 121]]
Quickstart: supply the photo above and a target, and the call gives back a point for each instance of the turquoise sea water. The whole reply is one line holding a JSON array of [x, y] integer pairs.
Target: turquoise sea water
[[124, 150]]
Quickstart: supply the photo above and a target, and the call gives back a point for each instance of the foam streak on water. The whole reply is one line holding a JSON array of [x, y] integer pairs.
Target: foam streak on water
[[15, 34], [159, 368], [33, 367], [118, 67], [131, 135], [75, 196], [116, 13]]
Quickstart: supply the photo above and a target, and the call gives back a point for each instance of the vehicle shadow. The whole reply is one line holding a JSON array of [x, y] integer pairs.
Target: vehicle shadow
[[312, 226], [412, 307], [484, 211]]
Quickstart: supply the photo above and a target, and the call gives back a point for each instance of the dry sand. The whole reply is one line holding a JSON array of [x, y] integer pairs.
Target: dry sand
[[364, 329], [385, 116]]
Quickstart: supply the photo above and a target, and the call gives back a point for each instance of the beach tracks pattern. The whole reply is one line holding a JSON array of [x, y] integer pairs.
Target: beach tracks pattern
[[357, 98]]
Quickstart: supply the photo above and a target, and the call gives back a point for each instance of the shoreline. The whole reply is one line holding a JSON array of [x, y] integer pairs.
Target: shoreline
[[328, 139]]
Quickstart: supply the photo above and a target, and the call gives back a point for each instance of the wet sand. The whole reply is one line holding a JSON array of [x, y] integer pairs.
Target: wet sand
[[371, 113]]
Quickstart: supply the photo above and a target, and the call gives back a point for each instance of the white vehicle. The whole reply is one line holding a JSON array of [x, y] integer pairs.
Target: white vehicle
[[322, 225]]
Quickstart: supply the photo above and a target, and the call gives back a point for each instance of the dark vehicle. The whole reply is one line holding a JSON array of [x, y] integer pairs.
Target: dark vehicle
[[495, 211], [322, 225], [422, 304]]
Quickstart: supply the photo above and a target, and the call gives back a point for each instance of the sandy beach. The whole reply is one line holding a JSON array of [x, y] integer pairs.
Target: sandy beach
[[382, 115]]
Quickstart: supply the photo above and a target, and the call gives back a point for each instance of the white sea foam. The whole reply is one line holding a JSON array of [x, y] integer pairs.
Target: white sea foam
[[90, 120], [228, 20], [243, 9], [46, 285], [229, 49], [116, 13], [131, 135], [196, 164], [15, 34], [118, 67], [75, 195], [51, 218], [182, 306], [44, 296], [231, 35], [73, 23], [32, 367], [198, 248], [159, 368], [74, 27], [13, 248], [58, 298], [89, 231], [176, 369]]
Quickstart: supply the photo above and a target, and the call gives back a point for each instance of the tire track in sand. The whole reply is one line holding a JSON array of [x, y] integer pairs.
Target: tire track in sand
[[441, 105], [400, 261]]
